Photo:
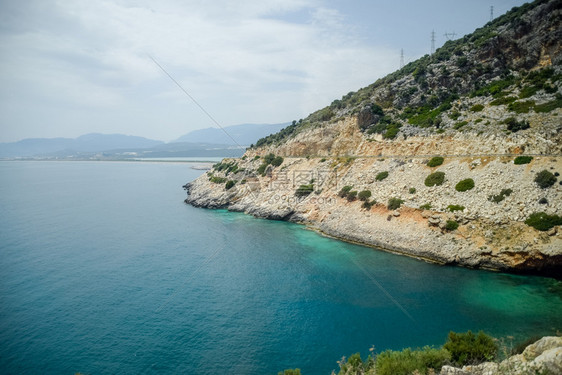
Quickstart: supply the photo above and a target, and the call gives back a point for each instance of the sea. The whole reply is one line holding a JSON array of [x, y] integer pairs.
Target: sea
[[105, 270]]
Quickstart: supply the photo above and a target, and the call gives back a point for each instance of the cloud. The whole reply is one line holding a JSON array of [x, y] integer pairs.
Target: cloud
[[267, 61]]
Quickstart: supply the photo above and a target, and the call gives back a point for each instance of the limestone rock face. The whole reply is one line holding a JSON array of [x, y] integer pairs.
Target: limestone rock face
[[489, 235]]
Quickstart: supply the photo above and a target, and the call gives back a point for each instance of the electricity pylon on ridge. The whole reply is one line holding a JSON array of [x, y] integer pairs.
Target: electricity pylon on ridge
[[450, 36], [432, 41]]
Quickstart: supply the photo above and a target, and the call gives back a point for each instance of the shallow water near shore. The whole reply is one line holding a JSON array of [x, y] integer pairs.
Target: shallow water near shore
[[105, 270]]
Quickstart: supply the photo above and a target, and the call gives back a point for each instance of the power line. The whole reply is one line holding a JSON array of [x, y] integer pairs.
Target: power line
[[196, 103]]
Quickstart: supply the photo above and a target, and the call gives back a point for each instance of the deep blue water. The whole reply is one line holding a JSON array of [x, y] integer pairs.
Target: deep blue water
[[104, 269]]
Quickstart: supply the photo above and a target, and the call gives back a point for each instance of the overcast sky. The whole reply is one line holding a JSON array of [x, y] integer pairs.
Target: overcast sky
[[70, 67]]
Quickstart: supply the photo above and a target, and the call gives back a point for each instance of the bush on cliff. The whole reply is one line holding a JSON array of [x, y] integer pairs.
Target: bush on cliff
[[409, 361], [455, 207], [304, 190], [344, 191], [381, 176], [501, 196], [291, 371], [364, 195], [542, 221], [435, 178], [461, 348], [470, 349], [229, 184], [451, 225], [465, 185], [352, 195], [545, 179], [522, 160], [262, 168], [217, 180], [435, 161], [277, 161], [394, 203], [367, 205]]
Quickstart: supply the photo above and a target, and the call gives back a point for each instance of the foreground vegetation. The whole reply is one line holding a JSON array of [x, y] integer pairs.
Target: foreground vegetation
[[459, 350]]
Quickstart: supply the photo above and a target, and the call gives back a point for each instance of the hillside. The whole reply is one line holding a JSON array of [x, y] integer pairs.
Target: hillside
[[455, 158]]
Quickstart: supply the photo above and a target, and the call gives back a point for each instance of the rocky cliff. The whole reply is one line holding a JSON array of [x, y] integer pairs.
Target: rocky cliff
[[455, 158]]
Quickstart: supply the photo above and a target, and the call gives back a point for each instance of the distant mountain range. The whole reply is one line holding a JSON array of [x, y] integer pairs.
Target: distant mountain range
[[243, 135], [205, 142]]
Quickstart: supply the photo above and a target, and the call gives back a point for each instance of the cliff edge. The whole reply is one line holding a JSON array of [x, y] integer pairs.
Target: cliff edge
[[454, 159]]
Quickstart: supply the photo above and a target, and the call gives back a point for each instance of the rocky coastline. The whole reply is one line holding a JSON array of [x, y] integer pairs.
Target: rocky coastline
[[490, 235]]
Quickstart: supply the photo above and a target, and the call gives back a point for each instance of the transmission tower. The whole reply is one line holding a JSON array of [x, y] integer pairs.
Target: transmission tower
[[401, 58], [432, 41], [491, 13], [450, 36]]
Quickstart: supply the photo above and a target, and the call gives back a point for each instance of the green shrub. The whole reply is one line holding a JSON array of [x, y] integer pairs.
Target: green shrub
[[391, 131], [229, 184], [367, 205], [217, 180], [465, 185], [268, 159], [468, 348], [409, 361], [545, 179], [522, 160], [262, 168], [504, 100], [426, 206], [412, 190], [521, 107], [528, 91], [364, 195], [542, 221], [514, 126], [435, 161], [501, 196], [256, 157], [547, 107], [436, 178], [344, 191], [455, 207], [454, 115], [460, 124], [290, 372], [394, 203], [277, 161], [352, 195], [477, 108], [543, 200], [381, 176], [451, 225], [304, 190]]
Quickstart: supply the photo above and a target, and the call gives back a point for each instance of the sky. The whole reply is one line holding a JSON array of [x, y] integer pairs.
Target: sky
[[72, 67]]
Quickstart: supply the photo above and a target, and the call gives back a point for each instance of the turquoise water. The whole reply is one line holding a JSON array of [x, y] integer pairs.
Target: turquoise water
[[103, 270]]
